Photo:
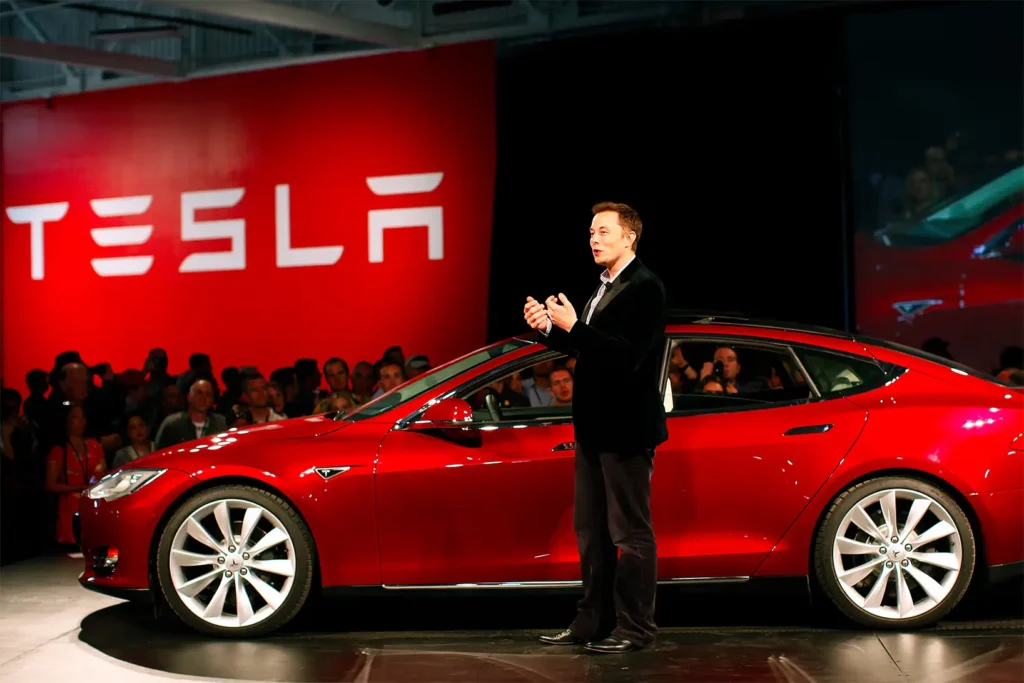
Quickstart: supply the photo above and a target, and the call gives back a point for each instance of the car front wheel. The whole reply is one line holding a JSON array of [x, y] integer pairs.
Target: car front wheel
[[895, 553], [235, 561]]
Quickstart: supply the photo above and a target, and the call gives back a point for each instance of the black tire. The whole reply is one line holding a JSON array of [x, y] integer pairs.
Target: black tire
[[823, 546], [305, 559]]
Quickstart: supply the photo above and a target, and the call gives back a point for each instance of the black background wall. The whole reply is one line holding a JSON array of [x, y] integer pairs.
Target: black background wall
[[726, 140]]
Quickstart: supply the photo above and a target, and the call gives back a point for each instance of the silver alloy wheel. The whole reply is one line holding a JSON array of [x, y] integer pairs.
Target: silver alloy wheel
[[897, 554], [232, 563]]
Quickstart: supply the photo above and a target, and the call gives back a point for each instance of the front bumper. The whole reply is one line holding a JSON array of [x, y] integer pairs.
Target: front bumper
[[116, 536]]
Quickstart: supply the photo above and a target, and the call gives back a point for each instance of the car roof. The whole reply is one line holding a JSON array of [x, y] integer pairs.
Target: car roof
[[680, 317]]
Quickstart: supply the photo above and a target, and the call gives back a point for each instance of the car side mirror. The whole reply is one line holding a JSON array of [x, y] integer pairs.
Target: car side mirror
[[445, 414]]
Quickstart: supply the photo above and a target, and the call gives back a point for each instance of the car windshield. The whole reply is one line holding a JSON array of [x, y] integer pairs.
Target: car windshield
[[430, 379], [961, 212]]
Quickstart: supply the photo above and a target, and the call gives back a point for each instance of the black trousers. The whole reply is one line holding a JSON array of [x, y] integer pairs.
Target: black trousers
[[618, 554]]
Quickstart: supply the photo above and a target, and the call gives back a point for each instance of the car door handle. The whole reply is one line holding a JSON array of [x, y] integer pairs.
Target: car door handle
[[808, 429], [565, 446]]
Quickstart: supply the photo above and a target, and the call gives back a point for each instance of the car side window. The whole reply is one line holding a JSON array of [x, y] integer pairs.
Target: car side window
[[836, 374], [541, 390], [708, 374]]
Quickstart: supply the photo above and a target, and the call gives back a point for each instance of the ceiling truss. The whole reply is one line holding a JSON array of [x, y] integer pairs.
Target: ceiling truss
[[52, 47]]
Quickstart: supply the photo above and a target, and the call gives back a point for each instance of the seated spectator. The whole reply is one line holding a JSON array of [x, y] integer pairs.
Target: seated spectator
[[921, 194], [139, 443], [309, 377], [728, 373], [538, 387], [170, 403], [196, 422], [259, 411], [336, 373], [561, 386], [286, 379], [275, 398], [363, 379], [74, 463], [340, 402], [392, 374], [416, 365]]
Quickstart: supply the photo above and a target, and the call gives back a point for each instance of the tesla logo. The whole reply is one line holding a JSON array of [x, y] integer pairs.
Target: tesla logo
[[909, 310], [331, 472], [378, 220]]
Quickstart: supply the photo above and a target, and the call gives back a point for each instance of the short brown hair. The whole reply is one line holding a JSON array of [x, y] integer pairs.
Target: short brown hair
[[629, 219]]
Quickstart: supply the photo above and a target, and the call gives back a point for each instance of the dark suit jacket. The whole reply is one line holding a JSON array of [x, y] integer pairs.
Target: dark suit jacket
[[617, 398], [178, 428]]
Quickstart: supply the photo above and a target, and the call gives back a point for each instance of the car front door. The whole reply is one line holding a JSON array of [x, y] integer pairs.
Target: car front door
[[488, 503]]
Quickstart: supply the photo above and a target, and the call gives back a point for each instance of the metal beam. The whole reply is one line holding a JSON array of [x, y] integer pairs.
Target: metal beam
[[263, 12], [19, 48], [40, 35]]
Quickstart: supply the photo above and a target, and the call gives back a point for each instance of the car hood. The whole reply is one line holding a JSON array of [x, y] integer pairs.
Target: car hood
[[181, 455]]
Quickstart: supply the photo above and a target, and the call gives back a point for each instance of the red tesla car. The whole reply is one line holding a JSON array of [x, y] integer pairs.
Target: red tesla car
[[891, 478], [955, 273]]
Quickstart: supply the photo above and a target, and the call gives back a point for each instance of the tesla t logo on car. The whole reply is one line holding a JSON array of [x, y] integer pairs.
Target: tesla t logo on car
[[378, 220]]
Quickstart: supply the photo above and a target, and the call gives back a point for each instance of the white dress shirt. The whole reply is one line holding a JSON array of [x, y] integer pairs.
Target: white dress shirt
[[606, 279]]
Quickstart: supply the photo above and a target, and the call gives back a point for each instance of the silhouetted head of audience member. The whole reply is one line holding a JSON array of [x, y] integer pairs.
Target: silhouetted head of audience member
[[232, 379], [937, 346], [200, 363], [156, 363], [37, 382], [307, 371], [171, 399], [63, 359], [392, 374], [133, 383], [336, 374], [10, 403], [275, 397], [394, 354], [288, 381], [416, 366], [363, 377], [1011, 358], [74, 382]]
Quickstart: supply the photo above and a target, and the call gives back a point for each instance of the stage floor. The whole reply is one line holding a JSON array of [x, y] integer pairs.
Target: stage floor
[[53, 630]]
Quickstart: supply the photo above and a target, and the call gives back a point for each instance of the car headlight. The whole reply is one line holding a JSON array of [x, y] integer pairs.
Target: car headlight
[[122, 483]]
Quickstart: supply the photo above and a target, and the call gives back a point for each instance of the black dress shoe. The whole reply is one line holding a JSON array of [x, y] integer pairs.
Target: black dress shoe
[[566, 637], [613, 645]]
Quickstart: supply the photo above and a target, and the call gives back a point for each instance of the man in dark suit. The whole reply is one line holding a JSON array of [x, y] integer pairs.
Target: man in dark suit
[[618, 341]]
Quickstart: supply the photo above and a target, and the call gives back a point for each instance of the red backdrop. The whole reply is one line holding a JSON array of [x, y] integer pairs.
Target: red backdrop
[[268, 215]]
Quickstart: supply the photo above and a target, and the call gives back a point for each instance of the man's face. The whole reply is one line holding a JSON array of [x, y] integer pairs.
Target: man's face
[[256, 392], [730, 367], [561, 386], [172, 398], [608, 241], [157, 361], [200, 396], [337, 376], [362, 378], [76, 382], [390, 376]]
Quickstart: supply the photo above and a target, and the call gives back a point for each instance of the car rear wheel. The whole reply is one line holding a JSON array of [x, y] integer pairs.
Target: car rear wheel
[[235, 561], [895, 553]]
